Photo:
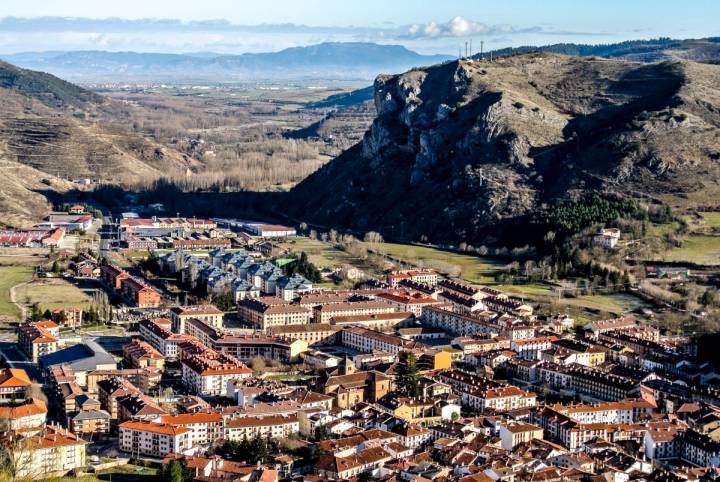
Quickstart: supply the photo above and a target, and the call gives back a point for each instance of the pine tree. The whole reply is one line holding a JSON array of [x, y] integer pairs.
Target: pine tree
[[406, 380]]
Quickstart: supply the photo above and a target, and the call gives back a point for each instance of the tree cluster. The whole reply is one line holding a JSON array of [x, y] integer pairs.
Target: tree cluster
[[573, 216], [303, 267], [176, 471], [406, 380], [256, 450]]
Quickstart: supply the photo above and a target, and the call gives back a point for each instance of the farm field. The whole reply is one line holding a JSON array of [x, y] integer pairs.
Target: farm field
[[533, 291], [617, 303], [321, 254], [14, 270], [53, 293], [474, 269], [696, 249]]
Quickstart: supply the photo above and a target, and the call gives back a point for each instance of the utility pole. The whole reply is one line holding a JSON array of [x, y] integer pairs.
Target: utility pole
[[482, 44], [470, 47], [466, 51]]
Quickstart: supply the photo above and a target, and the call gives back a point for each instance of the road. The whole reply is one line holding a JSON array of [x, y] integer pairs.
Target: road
[[14, 358], [108, 234], [13, 300]]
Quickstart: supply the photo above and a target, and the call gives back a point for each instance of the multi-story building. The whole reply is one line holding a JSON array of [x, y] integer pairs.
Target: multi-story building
[[154, 439], [265, 313], [36, 340], [481, 393], [55, 452], [140, 354], [367, 341], [333, 467], [425, 276], [89, 422], [381, 322], [350, 389], [312, 333], [409, 302], [530, 348], [616, 324], [14, 383], [325, 313], [110, 391], [143, 378], [246, 347], [515, 433], [206, 427], [290, 287], [113, 276], [207, 373], [137, 406], [457, 323], [139, 293], [274, 426], [568, 350], [465, 290], [29, 415], [587, 382], [699, 449], [157, 333], [207, 313], [132, 289]]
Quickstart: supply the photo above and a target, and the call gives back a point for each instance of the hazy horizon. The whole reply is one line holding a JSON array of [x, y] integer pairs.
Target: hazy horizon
[[226, 27]]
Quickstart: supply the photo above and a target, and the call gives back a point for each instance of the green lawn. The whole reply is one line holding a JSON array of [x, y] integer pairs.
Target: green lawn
[[696, 249], [14, 270]]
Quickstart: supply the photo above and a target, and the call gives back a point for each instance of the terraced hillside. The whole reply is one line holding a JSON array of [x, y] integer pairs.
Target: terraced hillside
[[53, 132]]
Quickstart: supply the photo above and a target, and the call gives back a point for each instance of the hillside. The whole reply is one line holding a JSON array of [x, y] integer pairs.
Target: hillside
[[461, 149], [655, 50], [54, 131], [329, 60]]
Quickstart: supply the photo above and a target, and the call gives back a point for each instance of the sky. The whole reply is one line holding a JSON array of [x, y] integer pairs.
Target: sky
[[427, 26]]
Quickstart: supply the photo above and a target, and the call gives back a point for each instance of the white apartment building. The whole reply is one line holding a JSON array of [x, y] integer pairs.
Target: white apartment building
[[206, 427], [154, 439], [53, 453], [207, 374], [275, 426]]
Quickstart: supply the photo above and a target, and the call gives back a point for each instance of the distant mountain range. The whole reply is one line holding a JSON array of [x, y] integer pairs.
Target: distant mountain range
[[330, 60]]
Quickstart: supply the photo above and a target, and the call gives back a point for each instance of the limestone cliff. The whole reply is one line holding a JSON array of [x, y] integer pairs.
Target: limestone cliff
[[461, 148]]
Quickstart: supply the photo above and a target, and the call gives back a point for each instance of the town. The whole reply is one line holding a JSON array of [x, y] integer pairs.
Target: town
[[235, 363]]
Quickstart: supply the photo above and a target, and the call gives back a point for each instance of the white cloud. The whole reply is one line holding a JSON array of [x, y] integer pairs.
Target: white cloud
[[456, 27]]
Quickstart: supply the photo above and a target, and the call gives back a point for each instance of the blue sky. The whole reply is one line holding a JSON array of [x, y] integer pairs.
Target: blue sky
[[428, 26]]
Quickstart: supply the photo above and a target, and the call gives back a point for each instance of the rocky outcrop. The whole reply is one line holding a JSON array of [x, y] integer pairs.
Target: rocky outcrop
[[459, 149]]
